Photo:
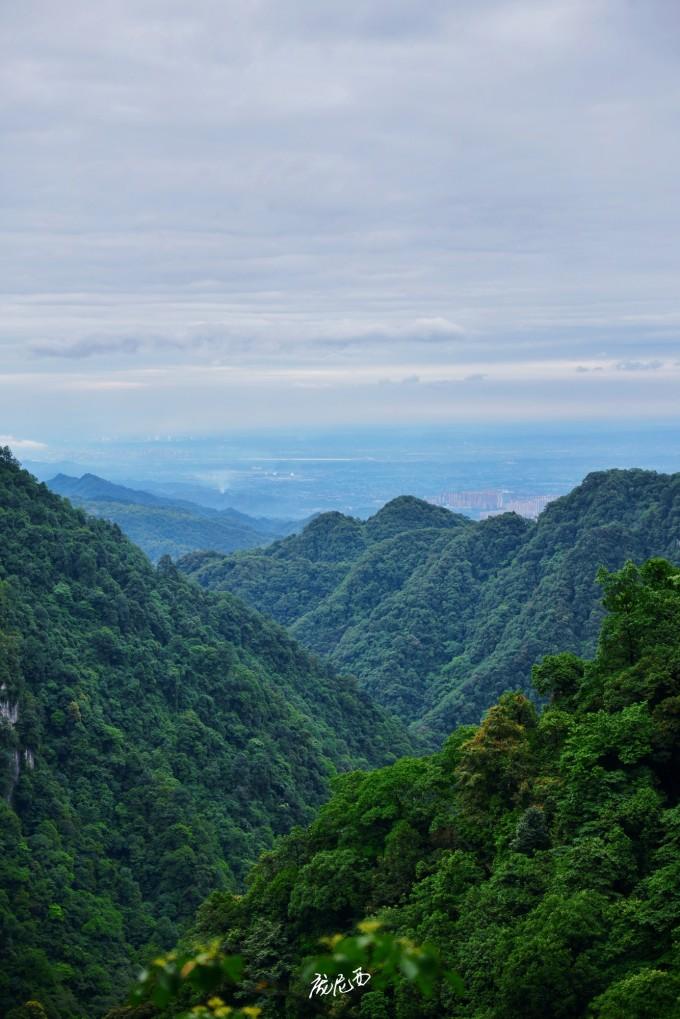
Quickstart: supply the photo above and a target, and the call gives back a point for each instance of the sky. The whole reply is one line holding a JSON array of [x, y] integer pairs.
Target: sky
[[248, 213]]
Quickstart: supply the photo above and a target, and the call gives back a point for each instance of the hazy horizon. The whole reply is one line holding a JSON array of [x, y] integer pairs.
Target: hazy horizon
[[294, 473]]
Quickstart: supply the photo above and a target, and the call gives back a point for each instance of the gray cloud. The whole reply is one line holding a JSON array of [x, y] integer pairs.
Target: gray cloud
[[638, 366], [87, 347]]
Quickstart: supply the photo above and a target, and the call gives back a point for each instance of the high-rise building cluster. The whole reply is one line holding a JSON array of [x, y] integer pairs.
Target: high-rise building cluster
[[485, 500], [491, 502]]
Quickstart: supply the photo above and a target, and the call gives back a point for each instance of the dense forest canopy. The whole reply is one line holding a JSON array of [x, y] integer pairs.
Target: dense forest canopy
[[154, 738], [438, 615], [539, 851]]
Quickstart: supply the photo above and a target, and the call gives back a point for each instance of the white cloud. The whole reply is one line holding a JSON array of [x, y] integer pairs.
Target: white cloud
[[22, 445]]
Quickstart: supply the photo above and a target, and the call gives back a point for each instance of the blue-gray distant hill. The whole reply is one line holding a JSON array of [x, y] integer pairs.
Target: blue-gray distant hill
[[438, 615], [166, 526]]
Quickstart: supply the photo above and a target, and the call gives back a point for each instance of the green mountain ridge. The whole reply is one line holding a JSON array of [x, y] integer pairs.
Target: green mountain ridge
[[154, 738], [444, 614]]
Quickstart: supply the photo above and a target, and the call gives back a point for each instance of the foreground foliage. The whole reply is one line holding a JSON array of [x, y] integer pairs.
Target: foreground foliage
[[153, 740], [539, 852], [171, 983]]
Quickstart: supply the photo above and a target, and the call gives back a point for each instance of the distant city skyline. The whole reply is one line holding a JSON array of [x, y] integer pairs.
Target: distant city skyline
[[484, 503], [272, 215]]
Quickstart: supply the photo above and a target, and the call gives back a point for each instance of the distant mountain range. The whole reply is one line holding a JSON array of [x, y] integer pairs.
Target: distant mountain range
[[161, 525], [437, 614]]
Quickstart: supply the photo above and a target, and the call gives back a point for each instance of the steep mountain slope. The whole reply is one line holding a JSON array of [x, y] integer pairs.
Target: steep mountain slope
[[438, 620], [163, 526], [539, 853], [153, 740]]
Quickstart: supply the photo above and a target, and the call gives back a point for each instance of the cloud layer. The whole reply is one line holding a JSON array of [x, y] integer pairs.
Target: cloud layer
[[243, 212]]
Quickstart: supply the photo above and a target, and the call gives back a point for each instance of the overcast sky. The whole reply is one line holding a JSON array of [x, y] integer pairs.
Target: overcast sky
[[257, 212]]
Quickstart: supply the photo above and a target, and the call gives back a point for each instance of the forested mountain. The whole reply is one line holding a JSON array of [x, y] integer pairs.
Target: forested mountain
[[153, 740], [293, 578], [539, 852], [438, 615], [163, 526]]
